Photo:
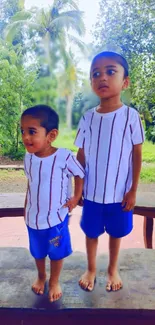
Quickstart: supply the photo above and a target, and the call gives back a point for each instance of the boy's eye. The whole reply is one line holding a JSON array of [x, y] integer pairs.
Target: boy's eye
[[22, 131], [110, 72], [31, 132], [96, 74]]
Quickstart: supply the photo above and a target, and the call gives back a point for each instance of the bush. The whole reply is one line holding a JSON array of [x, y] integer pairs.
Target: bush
[[15, 155], [150, 134]]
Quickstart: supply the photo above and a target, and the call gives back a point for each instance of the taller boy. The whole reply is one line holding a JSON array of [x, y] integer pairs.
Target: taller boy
[[110, 139]]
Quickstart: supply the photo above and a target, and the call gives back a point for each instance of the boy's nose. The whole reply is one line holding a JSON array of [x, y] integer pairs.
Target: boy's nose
[[25, 136], [103, 76]]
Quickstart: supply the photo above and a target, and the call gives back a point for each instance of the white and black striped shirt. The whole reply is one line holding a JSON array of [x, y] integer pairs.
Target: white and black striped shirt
[[108, 141], [49, 187]]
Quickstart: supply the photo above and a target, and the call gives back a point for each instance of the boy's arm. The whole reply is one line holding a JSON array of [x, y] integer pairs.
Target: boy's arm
[[78, 184], [130, 197], [137, 162], [81, 157], [78, 187], [25, 203]]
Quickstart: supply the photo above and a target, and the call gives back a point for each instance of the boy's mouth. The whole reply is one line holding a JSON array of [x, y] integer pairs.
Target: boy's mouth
[[103, 86], [28, 144]]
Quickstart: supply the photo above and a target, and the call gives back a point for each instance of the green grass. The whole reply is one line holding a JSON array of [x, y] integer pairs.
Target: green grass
[[11, 174], [148, 152], [147, 174], [66, 139]]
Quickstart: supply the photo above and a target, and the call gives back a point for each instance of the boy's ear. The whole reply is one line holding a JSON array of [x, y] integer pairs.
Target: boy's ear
[[126, 83], [52, 135]]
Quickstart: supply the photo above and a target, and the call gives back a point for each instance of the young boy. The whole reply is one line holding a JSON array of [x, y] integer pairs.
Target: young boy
[[110, 139], [48, 198]]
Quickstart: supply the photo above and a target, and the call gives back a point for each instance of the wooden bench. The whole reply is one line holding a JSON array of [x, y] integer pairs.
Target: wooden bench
[[145, 206]]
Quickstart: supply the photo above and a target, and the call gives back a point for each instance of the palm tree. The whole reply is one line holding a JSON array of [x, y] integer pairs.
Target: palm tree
[[51, 25], [52, 28], [68, 83]]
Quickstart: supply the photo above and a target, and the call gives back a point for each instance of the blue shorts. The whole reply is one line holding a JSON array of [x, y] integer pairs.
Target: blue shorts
[[54, 242], [98, 218]]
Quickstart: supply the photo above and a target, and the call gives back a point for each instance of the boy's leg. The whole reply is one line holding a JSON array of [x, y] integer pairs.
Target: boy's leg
[[119, 223], [114, 282], [88, 278], [92, 224], [38, 249], [39, 284], [59, 248], [55, 291]]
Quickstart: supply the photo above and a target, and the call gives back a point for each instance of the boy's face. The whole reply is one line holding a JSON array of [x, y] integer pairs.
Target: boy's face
[[34, 136], [107, 78]]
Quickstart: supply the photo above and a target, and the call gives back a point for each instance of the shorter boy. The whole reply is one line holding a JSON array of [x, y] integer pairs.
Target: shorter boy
[[48, 199]]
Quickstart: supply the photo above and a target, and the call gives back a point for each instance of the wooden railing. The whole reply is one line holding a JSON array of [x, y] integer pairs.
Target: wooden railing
[[147, 211]]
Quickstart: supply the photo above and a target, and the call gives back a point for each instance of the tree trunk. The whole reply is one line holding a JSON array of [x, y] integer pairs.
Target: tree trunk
[[17, 138], [69, 103]]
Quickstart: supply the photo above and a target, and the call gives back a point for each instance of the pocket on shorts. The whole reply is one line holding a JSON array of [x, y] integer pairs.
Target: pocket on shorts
[[59, 233]]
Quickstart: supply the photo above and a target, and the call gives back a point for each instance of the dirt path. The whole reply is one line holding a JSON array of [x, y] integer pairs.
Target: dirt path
[[12, 181], [15, 182]]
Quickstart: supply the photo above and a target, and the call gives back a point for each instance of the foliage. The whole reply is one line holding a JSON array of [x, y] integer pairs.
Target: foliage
[[128, 28], [49, 33], [38, 66], [16, 93], [34, 57], [8, 8], [83, 101], [66, 139]]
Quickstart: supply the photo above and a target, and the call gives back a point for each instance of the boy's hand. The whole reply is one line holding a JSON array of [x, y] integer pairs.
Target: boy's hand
[[80, 202], [129, 201], [72, 203]]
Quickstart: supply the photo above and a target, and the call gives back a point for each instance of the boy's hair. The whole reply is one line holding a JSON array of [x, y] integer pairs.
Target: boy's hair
[[116, 57], [49, 119]]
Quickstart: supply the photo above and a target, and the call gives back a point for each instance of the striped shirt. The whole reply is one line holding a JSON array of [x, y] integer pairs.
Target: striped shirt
[[108, 140], [49, 187]]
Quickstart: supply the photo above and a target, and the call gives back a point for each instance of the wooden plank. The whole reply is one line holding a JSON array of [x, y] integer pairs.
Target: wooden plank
[[145, 211], [11, 212], [19, 211]]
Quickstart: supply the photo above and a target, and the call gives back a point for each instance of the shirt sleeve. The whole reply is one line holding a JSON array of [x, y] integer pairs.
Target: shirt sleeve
[[137, 130], [73, 166], [80, 136]]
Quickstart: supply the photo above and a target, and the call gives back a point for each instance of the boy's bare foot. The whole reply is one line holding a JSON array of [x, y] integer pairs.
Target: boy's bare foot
[[55, 292], [39, 285], [87, 280], [114, 282]]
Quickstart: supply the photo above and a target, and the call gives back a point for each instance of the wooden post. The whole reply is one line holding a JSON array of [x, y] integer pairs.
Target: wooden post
[[148, 232]]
